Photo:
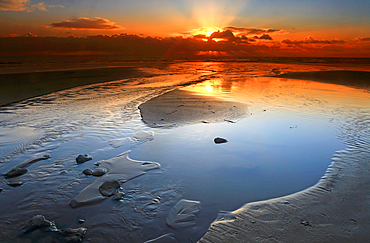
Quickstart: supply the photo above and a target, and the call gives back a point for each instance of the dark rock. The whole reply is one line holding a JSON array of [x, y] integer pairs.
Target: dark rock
[[15, 183], [38, 222], [109, 188], [220, 140], [99, 171], [16, 172], [87, 172], [82, 158], [74, 235], [1, 189], [81, 221]]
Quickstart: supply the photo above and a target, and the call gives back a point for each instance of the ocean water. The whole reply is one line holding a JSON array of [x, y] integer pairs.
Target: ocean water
[[283, 145]]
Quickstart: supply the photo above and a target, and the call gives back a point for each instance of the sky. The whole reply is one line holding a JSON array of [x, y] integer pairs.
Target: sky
[[294, 23]]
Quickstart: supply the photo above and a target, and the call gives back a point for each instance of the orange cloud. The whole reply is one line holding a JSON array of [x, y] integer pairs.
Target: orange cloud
[[86, 23], [362, 39], [13, 5], [254, 31], [311, 40], [25, 5]]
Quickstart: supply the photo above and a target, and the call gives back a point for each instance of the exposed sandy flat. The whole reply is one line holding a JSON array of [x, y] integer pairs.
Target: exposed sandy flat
[[181, 107], [19, 86], [359, 79]]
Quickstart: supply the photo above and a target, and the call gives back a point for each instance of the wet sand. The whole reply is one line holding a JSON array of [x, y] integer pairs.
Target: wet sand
[[181, 107], [20, 86], [357, 79], [336, 209]]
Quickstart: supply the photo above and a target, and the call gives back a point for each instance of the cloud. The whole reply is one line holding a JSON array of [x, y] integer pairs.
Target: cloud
[[86, 23], [311, 40], [227, 34], [25, 5], [265, 37], [13, 5], [362, 39], [254, 31]]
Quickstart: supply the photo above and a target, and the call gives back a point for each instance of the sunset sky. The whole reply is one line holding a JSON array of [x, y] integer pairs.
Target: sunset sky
[[294, 23]]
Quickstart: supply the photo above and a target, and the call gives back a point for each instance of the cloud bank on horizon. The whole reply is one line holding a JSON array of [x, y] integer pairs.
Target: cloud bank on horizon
[[299, 26]]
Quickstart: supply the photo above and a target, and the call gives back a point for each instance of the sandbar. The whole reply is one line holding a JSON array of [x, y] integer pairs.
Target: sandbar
[[182, 107]]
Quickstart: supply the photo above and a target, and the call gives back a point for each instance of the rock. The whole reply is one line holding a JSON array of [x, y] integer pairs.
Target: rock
[[99, 171], [120, 168], [34, 159], [118, 195], [38, 222], [82, 158], [15, 183], [97, 163], [87, 172], [109, 188], [74, 235], [220, 140], [81, 221], [1, 189], [183, 214], [16, 172]]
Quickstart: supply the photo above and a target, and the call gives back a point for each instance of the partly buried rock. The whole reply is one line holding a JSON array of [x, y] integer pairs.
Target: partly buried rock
[[82, 158], [109, 188], [87, 172], [183, 214], [99, 171], [220, 140], [38, 222], [73, 235], [16, 172], [15, 183]]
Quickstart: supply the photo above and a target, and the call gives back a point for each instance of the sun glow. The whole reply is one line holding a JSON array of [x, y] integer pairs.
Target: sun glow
[[212, 16]]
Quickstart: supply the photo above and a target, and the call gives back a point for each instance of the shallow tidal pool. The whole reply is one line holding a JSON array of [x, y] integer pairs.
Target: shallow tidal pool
[[283, 144]]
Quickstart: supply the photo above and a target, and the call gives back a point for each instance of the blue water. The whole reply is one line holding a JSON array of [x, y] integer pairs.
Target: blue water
[[284, 146]]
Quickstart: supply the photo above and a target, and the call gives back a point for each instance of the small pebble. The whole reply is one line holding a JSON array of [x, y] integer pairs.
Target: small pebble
[[1, 189], [97, 163], [220, 140], [81, 221]]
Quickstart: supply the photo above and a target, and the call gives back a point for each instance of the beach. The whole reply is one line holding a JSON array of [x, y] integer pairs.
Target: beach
[[335, 209]]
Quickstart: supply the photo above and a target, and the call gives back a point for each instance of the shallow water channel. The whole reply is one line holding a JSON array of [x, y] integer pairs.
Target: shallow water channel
[[283, 144]]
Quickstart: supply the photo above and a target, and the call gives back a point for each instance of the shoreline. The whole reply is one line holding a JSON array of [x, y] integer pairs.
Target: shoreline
[[16, 87], [336, 209], [332, 210], [356, 79]]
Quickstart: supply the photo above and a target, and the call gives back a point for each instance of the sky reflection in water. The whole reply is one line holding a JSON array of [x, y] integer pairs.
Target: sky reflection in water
[[284, 146]]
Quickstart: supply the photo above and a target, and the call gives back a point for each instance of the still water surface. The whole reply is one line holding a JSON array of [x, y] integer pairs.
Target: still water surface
[[284, 145]]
